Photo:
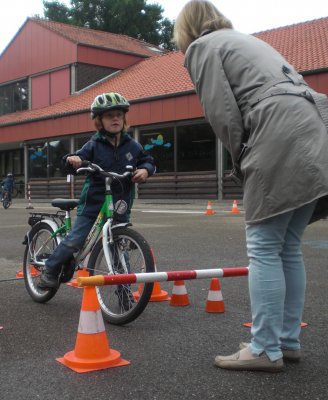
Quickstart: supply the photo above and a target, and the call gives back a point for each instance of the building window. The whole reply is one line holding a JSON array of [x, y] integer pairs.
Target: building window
[[37, 160], [44, 158], [227, 160], [159, 143], [88, 74], [79, 142], [14, 97], [56, 150], [12, 161], [196, 148]]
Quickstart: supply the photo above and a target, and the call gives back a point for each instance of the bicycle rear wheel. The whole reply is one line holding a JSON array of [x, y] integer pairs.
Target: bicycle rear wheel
[[39, 247], [121, 304]]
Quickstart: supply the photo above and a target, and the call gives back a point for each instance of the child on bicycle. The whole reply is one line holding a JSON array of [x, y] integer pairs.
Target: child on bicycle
[[7, 186], [112, 149]]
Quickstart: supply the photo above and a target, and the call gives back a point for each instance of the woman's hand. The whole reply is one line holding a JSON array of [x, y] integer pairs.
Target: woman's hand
[[140, 176]]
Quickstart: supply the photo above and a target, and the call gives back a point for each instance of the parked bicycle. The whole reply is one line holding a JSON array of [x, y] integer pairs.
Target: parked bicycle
[[109, 248], [19, 189]]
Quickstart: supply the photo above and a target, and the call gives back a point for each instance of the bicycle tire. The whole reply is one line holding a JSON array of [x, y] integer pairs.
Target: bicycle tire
[[37, 237], [136, 252], [6, 203]]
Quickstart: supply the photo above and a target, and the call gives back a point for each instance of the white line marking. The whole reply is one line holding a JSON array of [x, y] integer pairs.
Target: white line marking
[[181, 212], [172, 212]]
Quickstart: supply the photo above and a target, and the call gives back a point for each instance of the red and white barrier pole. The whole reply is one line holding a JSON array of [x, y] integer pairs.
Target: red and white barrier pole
[[29, 197], [120, 279]]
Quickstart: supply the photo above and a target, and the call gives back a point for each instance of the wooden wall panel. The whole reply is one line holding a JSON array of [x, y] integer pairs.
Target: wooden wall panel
[[59, 85], [318, 82], [40, 91], [35, 49], [69, 125], [105, 58], [151, 112], [165, 110]]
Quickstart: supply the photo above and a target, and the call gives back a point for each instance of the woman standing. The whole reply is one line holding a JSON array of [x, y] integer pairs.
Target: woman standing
[[273, 125]]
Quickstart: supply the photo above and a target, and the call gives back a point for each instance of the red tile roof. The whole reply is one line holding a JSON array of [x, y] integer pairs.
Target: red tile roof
[[304, 45], [92, 37]]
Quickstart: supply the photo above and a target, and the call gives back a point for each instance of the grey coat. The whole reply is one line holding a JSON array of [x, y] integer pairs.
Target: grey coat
[[250, 94]]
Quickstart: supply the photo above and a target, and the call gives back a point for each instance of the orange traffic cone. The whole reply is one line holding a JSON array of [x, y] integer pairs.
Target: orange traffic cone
[[80, 273], [34, 272], [92, 351], [215, 302], [209, 210], [235, 209], [179, 294], [157, 294]]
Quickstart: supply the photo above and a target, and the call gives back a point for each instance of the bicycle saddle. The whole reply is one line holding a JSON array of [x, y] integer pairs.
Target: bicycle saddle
[[65, 204]]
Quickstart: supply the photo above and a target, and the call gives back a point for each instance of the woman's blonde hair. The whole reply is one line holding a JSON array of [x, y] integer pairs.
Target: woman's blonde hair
[[196, 17], [99, 125]]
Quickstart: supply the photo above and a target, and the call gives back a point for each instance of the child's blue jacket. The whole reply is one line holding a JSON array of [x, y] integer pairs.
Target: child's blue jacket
[[100, 151]]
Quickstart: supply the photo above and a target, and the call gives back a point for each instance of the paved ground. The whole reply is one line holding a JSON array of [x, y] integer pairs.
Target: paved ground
[[171, 349]]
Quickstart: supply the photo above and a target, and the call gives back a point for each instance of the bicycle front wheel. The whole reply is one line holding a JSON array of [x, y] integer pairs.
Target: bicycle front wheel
[[6, 201], [121, 304], [40, 246]]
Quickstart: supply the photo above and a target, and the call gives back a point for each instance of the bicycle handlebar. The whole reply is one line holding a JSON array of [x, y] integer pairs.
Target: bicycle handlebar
[[91, 167]]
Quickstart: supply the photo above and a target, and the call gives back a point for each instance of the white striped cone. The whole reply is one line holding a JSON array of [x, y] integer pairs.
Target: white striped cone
[[209, 210], [179, 295], [92, 350], [215, 302], [235, 209]]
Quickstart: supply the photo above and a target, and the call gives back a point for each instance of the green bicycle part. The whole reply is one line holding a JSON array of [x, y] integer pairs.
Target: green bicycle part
[[60, 231], [108, 207]]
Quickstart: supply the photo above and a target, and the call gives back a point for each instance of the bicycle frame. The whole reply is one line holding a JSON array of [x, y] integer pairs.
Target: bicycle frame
[[103, 223]]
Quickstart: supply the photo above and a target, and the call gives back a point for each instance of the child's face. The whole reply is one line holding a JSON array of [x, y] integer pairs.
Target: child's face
[[113, 121]]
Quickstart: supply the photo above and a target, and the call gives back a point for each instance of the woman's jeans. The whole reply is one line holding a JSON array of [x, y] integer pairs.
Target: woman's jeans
[[277, 281], [72, 243]]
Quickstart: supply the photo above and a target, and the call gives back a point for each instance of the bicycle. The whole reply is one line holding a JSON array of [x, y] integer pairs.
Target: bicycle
[[110, 248], [6, 201]]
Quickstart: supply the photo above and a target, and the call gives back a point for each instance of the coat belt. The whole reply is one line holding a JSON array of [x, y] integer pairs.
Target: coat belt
[[319, 99]]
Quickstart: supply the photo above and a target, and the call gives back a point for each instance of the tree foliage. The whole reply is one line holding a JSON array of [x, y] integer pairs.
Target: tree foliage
[[134, 18]]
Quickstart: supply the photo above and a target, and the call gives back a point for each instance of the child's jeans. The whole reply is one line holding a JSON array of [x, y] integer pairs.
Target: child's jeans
[[70, 245]]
